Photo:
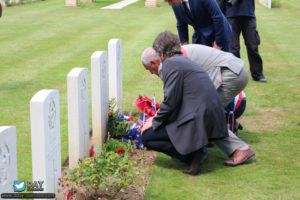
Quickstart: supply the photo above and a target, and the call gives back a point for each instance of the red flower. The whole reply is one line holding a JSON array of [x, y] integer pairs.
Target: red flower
[[120, 150], [130, 119], [69, 196], [92, 152]]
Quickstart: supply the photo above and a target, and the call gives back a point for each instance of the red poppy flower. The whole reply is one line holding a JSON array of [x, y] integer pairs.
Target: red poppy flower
[[120, 150], [130, 119], [69, 196], [92, 152]]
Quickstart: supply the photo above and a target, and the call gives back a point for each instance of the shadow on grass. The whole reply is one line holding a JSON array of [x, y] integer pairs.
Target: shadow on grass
[[215, 159], [250, 137], [214, 162], [13, 85]]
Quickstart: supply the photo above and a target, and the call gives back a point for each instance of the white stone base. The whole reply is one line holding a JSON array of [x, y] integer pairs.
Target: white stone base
[[72, 3], [150, 3]]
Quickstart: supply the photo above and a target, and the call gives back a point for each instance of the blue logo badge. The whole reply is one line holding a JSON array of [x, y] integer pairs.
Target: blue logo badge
[[19, 186]]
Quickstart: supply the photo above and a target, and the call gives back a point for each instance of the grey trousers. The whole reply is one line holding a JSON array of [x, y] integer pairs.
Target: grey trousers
[[231, 143], [232, 84]]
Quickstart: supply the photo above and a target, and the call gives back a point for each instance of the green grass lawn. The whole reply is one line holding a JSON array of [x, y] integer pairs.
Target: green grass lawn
[[41, 42]]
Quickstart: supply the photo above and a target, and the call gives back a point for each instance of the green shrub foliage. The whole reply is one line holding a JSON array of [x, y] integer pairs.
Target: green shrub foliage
[[116, 127], [113, 145]]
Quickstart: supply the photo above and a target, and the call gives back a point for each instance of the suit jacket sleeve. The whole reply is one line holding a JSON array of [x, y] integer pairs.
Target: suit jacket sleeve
[[182, 27], [173, 84], [218, 21]]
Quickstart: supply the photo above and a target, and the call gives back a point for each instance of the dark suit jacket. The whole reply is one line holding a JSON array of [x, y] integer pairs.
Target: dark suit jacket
[[191, 111], [208, 22]]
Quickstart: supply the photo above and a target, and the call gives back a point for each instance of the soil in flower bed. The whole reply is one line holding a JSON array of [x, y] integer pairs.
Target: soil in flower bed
[[133, 192]]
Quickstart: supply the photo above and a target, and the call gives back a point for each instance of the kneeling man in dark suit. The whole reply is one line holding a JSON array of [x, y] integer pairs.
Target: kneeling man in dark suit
[[191, 114]]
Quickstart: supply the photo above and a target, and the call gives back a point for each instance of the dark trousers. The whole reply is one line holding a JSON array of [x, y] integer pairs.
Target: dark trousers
[[159, 140], [247, 25]]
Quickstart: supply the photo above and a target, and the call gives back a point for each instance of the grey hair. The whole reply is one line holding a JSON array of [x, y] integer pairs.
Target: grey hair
[[148, 55], [167, 43]]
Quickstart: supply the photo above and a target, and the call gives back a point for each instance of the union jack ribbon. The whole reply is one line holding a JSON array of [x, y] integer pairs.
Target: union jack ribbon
[[153, 106]]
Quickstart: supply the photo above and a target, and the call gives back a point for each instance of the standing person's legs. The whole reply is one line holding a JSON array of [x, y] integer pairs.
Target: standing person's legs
[[236, 31], [159, 141], [252, 41], [232, 84], [0, 10]]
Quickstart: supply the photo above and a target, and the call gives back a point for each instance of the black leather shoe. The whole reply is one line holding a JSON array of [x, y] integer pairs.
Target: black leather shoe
[[196, 166]]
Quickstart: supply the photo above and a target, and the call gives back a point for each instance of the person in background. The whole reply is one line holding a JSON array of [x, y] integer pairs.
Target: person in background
[[242, 18], [0, 9], [211, 28]]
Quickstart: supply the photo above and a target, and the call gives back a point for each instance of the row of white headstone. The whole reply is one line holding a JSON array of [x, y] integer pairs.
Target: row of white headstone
[[45, 121]]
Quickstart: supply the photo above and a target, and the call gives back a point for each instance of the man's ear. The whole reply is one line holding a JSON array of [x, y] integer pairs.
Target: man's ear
[[155, 62]]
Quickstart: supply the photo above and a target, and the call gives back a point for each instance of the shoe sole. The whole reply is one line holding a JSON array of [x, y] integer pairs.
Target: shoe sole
[[248, 157]]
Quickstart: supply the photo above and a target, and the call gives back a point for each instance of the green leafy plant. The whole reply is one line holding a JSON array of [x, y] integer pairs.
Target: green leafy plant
[[107, 170], [116, 127], [113, 145]]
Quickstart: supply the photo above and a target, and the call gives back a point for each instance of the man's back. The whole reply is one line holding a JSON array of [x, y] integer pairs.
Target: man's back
[[191, 109], [208, 22], [211, 59]]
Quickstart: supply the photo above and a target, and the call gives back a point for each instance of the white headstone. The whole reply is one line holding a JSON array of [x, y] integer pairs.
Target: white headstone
[[72, 3], [99, 96], [8, 159], [115, 70], [78, 115], [151, 3], [45, 140]]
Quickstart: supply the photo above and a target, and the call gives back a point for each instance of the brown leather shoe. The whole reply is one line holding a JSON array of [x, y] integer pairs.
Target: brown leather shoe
[[196, 166], [240, 156]]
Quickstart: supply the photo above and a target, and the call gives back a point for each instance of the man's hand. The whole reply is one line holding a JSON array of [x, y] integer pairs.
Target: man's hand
[[214, 45], [184, 43], [147, 125]]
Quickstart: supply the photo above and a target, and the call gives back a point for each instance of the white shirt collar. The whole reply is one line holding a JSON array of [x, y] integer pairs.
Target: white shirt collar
[[187, 3]]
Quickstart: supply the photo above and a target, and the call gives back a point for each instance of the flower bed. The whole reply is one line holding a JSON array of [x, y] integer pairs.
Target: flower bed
[[115, 171]]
